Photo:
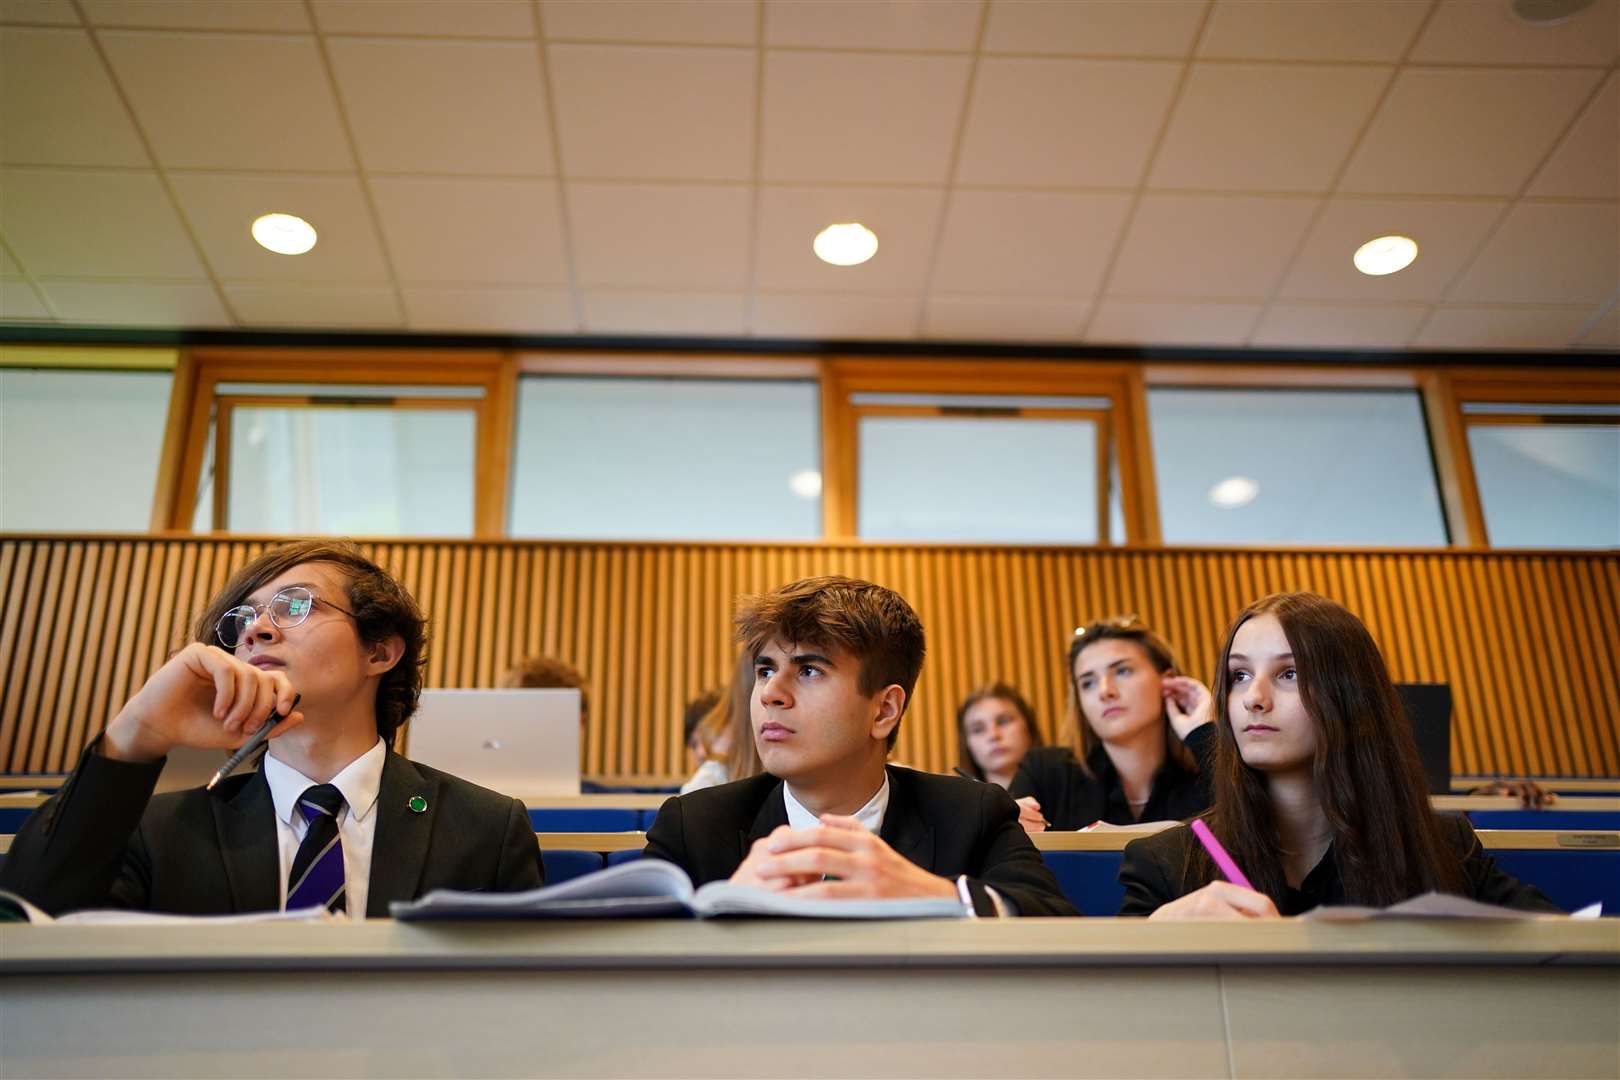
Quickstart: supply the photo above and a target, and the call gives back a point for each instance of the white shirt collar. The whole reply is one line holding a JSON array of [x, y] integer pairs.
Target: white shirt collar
[[359, 781], [870, 816]]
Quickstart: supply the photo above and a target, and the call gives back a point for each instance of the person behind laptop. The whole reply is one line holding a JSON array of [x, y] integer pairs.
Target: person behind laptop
[[330, 817], [551, 673], [834, 663]]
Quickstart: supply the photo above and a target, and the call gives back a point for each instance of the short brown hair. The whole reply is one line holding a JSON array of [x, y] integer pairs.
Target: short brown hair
[[546, 673], [873, 624], [381, 606]]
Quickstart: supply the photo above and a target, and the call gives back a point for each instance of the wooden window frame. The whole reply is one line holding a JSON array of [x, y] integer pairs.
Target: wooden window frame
[[195, 399]]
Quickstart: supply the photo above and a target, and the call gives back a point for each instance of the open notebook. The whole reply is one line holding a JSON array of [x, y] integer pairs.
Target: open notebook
[[649, 888]]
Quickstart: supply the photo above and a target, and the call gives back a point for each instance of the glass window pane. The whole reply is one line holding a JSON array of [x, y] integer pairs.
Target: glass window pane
[[1547, 485], [1294, 467], [978, 479], [79, 449], [349, 471], [669, 459]]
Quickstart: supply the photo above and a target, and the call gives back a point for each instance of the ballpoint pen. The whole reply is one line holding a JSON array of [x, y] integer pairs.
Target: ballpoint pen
[[256, 740]]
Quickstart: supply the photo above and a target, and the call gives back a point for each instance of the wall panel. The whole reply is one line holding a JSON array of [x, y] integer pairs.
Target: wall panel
[[1527, 639]]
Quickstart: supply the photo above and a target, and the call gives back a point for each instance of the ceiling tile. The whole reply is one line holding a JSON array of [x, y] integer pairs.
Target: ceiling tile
[[645, 234], [824, 316], [1027, 243], [19, 301], [1064, 123], [472, 231], [1153, 322], [873, 24], [1220, 246], [1001, 318], [861, 118], [1587, 161], [1097, 28], [1364, 30], [634, 113], [273, 15], [1447, 235], [1604, 333], [38, 12], [93, 224], [221, 208], [1550, 253], [228, 101], [1233, 120], [790, 218], [294, 307], [444, 107], [429, 18], [689, 22], [1464, 327], [1470, 32], [176, 304], [665, 313], [60, 106], [490, 310], [1324, 326], [1465, 132]]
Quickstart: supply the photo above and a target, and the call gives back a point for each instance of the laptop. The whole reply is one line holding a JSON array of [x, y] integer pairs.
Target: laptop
[[518, 742], [1429, 707]]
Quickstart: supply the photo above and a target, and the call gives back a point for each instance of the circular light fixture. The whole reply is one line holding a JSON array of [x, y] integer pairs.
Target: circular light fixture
[[848, 244], [1233, 492], [284, 234], [806, 484], [1549, 12], [1386, 255]]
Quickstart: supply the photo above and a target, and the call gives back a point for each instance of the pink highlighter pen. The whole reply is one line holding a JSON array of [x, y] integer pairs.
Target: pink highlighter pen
[[1229, 869]]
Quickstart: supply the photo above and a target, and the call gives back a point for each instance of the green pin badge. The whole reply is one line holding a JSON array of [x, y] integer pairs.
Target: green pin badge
[[418, 804]]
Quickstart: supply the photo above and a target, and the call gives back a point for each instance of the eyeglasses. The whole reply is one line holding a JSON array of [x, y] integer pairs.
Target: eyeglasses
[[287, 609]]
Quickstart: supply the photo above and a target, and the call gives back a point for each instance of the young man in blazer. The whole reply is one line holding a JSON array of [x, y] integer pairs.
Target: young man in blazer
[[362, 826], [835, 662]]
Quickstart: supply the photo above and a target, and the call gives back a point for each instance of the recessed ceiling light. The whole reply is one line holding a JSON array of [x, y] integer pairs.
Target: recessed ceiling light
[[849, 244], [1548, 12], [1233, 492], [284, 234], [1386, 255], [806, 483]]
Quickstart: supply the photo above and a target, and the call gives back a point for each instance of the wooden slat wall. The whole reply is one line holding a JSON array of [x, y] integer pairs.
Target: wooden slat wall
[[1527, 640]]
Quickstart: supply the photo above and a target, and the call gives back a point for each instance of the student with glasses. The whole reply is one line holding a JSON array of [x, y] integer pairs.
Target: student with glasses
[[315, 633], [1145, 736]]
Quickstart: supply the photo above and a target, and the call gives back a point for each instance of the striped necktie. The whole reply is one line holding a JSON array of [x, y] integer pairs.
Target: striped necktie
[[317, 870]]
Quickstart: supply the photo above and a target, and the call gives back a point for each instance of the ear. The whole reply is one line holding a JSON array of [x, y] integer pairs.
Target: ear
[[890, 702], [384, 654]]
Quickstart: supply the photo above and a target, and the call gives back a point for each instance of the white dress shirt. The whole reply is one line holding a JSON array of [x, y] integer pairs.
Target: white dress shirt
[[357, 825]]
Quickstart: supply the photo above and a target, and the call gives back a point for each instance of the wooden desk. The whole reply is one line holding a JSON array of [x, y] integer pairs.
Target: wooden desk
[[1029, 997]]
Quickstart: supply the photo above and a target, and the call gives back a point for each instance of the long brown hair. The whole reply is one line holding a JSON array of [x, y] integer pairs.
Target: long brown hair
[[1159, 654], [1366, 769], [998, 691]]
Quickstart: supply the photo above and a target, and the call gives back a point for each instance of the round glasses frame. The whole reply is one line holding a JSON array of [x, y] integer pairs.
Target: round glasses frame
[[286, 609]]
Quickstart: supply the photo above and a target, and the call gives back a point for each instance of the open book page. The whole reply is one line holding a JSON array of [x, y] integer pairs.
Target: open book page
[[1144, 828], [124, 917], [1435, 905], [724, 898], [645, 887]]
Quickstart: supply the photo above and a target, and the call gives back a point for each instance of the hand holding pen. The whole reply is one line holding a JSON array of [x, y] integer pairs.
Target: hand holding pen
[[202, 697], [1232, 898]]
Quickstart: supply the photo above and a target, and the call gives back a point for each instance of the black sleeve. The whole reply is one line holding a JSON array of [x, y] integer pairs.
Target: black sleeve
[[1489, 883], [1011, 865], [82, 847], [665, 839], [1145, 871], [1023, 782], [520, 866]]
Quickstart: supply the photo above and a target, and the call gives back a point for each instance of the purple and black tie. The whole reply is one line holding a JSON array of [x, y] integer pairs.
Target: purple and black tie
[[317, 870]]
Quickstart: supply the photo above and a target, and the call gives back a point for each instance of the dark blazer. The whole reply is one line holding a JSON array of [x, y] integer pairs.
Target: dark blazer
[[1154, 871], [1071, 799], [945, 824], [103, 840]]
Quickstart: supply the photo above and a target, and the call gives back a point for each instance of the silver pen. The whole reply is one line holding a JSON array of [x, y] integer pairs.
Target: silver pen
[[256, 740]]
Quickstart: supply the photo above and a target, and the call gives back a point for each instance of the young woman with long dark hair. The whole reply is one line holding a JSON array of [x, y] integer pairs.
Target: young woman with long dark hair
[[1319, 795]]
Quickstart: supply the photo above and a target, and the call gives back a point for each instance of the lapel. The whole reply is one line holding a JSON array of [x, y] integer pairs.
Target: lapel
[[245, 821], [772, 812], [904, 827], [399, 847]]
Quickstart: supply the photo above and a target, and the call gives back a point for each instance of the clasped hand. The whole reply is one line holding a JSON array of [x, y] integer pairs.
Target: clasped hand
[[838, 859]]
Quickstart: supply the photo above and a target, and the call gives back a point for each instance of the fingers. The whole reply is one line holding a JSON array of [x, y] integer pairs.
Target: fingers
[[843, 833], [1243, 901], [813, 863]]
